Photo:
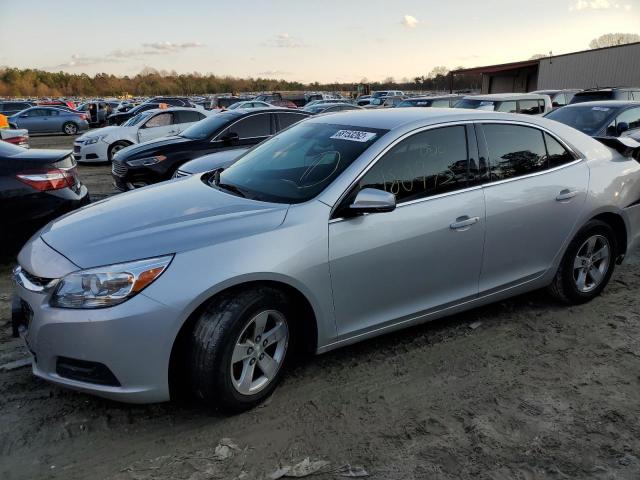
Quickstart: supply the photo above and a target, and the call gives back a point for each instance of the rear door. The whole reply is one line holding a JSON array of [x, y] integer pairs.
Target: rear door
[[183, 119], [536, 191], [159, 125]]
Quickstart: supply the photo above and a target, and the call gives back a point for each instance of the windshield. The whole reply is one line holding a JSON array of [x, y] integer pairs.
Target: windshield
[[207, 127], [379, 94], [592, 96], [589, 120], [414, 103], [136, 119], [476, 104], [298, 164], [233, 106]]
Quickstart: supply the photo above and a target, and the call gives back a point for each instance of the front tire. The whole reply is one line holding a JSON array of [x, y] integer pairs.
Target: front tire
[[587, 265], [70, 128], [238, 348], [114, 148]]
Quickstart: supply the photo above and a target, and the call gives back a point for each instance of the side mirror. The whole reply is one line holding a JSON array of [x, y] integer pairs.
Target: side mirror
[[622, 127], [230, 138], [372, 200]]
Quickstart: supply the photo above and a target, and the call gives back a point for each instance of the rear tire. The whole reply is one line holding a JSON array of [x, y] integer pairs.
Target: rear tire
[[587, 265], [70, 128], [238, 348], [116, 147]]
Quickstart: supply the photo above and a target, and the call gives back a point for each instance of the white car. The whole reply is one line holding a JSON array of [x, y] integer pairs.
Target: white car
[[100, 145], [250, 104]]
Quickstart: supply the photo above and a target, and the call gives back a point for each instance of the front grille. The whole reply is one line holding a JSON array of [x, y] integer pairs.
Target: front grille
[[85, 371], [37, 281], [119, 169], [180, 174]]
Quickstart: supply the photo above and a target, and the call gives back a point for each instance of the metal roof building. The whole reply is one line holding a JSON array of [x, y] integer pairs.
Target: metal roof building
[[602, 67]]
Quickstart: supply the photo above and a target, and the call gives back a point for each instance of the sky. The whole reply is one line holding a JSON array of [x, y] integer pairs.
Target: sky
[[303, 40]]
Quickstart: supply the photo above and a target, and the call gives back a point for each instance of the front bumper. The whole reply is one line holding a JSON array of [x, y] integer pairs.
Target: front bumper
[[133, 340], [96, 152], [127, 178]]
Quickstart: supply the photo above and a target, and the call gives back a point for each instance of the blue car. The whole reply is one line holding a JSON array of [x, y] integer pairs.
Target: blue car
[[50, 120]]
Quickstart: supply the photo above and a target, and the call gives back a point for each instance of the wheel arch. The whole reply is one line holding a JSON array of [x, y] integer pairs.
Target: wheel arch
[[619, 226], [307, 331]]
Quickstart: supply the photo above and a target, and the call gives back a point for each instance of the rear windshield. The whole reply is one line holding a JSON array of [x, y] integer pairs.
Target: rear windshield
[[476, 104], [591, 96], [299, 163], [207, 127], [588, 120]]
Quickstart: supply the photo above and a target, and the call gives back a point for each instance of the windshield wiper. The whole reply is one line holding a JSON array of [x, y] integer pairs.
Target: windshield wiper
[[226, 186]]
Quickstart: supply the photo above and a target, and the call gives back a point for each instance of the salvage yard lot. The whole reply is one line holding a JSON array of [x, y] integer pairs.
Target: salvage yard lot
[[524, 389]]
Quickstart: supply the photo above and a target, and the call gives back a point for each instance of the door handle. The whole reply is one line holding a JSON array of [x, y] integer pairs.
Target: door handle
[[566, 194], [464, 223]]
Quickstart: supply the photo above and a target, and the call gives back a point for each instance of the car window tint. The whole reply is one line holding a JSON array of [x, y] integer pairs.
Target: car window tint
[[556, 154], [38, 112], [252, 126], [288, 119], [160, 120], [427, 163], [530, 107], [631, 117], [514, 150], [509, 107], [184, 116]]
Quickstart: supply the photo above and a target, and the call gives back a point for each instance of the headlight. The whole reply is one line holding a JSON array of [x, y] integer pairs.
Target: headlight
[[107, 286], [92, 140], [145, 162]]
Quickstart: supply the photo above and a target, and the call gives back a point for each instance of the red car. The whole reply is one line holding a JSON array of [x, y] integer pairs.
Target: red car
[[283, 103]]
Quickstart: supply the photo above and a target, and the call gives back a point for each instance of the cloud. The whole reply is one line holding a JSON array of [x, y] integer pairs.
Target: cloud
[[156, 48], [284, 40], [581, 5], [410, 21]]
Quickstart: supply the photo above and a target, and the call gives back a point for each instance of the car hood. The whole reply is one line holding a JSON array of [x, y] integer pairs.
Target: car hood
[[213, 161], [166, 218], [150, 146], [103, 131]]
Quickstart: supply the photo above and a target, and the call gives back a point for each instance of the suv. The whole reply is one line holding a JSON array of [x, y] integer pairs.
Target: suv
[[525, 103], [616, 93], [9, 108], [559, 98]]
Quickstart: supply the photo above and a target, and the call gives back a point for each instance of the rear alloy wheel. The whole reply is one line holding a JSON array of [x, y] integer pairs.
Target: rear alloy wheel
[[70, 128], [587, 265], [238, 347]]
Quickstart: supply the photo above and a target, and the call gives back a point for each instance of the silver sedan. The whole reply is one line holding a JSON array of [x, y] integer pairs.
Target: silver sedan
[[338, 229]]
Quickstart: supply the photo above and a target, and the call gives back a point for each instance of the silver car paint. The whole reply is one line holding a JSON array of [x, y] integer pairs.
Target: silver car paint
[[375, 268]]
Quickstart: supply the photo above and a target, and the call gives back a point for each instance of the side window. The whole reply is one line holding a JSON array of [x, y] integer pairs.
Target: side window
[[160, 120], [440, 104], [531, 107], [631, 116], [36, 113], [557, 154], [253, 126], [514, 150], [509, 107], [559, 100], [53, 113], [426, 164], [184, 116], [288, 119], [636, 95]]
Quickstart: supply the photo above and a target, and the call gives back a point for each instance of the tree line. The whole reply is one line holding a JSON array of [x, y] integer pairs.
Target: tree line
[[15, 82]]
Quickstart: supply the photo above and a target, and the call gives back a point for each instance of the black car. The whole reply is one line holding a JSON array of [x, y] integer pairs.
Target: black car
[[173, 101], [330, 108], [601, 119], [36, 186], [600, 94], [10, 107], [120, 117], [157, 160]]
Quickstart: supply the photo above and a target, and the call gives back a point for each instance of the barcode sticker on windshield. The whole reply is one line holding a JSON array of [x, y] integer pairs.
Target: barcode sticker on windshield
[[353, 135]]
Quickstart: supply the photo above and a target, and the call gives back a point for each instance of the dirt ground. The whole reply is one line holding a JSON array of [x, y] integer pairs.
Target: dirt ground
[[525, 389]]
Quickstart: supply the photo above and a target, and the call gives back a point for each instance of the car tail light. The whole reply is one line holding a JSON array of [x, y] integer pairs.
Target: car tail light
[[20, 140], [49, 179], [83, 116]]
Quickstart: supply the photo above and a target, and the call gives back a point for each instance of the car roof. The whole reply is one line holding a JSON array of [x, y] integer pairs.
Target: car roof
[[606, 103], [391, 118], [435, 97], [172, 109], [506, 96]]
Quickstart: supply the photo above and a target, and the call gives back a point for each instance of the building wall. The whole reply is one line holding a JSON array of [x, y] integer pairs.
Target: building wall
[[609, 67], [520, 80]]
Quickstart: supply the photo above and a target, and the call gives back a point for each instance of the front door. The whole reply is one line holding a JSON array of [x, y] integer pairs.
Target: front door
[[159, 125], [535, 193], [423, 256]]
